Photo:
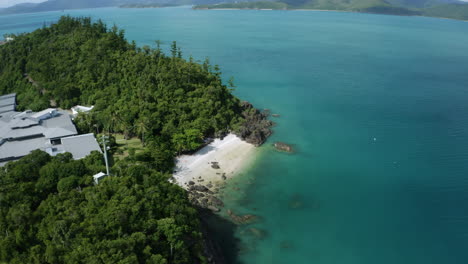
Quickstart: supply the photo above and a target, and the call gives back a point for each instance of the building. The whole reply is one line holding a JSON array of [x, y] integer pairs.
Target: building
[[50, 130], [7, 39], [81, 109], [98, 177], [7, 103]]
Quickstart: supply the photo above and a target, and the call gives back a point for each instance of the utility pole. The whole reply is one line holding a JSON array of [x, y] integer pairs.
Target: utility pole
[[105, 154]]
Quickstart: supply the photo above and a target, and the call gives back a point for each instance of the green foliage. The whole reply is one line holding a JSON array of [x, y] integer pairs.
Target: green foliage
[[454, 11], [67, 184], [50, 209], [190, 139], [49, 216], [137, 92]]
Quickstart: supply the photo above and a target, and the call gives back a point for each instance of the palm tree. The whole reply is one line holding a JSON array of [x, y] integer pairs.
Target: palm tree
[[142, 127]]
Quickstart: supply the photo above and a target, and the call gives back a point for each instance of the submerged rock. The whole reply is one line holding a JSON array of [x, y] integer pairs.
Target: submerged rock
[[257, 233], [296, 202], [285, 244], [216, 202], [214, 208], [283, 147], [242, 219]]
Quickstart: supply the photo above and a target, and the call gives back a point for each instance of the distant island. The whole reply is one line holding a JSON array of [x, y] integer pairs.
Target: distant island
[[146, 5], [439, 8], [453, 9]]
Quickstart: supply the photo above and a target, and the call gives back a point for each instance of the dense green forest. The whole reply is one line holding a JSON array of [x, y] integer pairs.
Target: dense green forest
[[50, 210], [170, 103]]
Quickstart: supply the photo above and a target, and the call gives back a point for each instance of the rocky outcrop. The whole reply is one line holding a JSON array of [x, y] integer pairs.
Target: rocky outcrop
[[202, 196], [283, 147], [256, 127]]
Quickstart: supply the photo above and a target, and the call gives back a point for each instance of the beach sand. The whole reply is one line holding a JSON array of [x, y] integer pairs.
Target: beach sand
[[231, 154]]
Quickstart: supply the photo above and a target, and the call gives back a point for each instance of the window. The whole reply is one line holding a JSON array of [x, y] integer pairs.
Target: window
[[56, 141]]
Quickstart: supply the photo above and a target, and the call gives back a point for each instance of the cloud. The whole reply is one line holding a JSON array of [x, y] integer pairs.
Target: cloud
[[8, 3]]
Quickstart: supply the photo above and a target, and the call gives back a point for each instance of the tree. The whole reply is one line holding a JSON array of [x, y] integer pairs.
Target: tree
[[142, 127], [190, 140]]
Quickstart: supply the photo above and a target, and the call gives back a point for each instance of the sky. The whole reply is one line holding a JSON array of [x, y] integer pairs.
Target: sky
[[8, 3]]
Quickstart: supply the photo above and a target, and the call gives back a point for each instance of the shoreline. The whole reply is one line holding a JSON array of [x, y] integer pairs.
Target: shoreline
[[231, 154]]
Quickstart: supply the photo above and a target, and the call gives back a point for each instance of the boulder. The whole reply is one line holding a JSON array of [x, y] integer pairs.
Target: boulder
[[204, 202], [213, 208], [281, 146], [198, 188], [215, 165]]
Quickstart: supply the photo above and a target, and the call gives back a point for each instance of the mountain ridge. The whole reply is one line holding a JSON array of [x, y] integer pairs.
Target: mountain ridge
[[453, 9]]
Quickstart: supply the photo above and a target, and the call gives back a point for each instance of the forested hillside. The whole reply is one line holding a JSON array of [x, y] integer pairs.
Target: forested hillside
[[436, 8], [50, 210], [168, 102]]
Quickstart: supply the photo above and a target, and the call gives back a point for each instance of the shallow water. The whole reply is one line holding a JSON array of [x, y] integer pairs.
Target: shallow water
[[339, 81]]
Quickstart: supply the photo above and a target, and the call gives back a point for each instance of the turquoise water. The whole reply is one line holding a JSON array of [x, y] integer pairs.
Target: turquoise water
[[339, 80]]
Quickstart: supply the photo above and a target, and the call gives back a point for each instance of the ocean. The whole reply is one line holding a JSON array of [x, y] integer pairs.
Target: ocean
[[375, 106]]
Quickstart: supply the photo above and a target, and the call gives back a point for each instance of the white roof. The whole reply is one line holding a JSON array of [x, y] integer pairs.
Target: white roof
[[99, 175], [44, 112], [80, 146], [79, 108]]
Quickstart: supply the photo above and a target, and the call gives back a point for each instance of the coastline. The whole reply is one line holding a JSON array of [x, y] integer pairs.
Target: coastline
[[231, 154]]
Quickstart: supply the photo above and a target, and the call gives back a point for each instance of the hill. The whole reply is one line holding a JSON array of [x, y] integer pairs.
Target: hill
[[50, 209], [453, 11], [52, 5], [435, 8], [421, 3]]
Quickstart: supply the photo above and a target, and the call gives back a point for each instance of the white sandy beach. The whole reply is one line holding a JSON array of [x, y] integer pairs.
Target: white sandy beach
[[231, 153]]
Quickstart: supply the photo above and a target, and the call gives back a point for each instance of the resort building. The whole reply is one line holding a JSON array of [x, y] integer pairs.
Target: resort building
[[50, 130], [81, 109]]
